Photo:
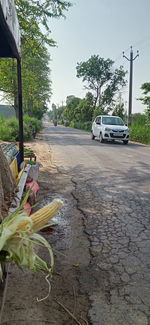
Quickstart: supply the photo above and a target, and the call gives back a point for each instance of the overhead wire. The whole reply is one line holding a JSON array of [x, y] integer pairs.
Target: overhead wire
[[141, 41]]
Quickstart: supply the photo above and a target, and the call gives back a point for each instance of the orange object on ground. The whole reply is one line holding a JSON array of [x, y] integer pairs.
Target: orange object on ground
[[27, 208]]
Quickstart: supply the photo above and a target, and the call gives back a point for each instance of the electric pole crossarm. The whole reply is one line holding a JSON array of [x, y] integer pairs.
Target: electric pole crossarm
[[126, 57], [136, 56]]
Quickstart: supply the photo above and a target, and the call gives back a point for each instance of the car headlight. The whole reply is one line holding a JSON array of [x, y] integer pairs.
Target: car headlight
[[126, 130], [107, 129]]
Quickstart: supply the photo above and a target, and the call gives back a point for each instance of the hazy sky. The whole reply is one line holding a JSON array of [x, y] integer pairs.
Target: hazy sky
[[104, 28]]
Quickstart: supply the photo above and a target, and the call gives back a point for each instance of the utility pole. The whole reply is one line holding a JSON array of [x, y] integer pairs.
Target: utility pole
[[130, 82]]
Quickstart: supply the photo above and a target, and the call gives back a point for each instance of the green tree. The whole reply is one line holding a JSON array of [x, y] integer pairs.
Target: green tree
[[102, 79], [60, 112], [146, 99], [8, 80], [35, 79], [36, 82], [84, 110], [119, 109], [71, 104], [34, 16], [54, 112], [35, 34]]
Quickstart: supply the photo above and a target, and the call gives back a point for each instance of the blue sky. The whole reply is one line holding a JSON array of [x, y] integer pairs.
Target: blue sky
[[106, 28]]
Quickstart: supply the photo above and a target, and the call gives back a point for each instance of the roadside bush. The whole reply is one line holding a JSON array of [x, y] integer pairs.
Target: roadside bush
[[81, 125], [34, 124], [72, 124], [140, 133], [9, 128], [139, 119], [61, 122]]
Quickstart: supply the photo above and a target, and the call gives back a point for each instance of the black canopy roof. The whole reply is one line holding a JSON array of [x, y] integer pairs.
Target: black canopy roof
[[8, 28]]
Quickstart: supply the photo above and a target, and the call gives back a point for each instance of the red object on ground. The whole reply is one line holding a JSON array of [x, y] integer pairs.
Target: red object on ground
[[34, 186], [27, 208]]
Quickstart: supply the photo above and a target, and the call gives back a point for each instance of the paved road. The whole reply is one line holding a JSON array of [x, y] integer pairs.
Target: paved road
[[112, 190]]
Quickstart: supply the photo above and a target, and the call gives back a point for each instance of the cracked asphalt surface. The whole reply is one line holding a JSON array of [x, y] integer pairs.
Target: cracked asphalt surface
[[101, 239], [112, 190]]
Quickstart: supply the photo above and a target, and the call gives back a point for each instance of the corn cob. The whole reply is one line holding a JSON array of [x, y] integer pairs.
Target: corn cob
[[41, 217]]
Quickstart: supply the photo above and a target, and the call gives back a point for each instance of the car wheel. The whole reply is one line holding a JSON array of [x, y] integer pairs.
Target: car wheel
[[92, 136], [101, 140], [125, 141]]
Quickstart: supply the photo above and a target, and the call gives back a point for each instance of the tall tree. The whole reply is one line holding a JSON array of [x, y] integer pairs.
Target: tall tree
[[101, 78], [34, 14], [35, 34]]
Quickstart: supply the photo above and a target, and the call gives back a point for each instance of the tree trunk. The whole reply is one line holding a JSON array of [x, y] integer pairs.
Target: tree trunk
[[7, 183], [96, 98]]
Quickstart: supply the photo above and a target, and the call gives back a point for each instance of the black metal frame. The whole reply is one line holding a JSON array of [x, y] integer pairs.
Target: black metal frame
[[8, 49]]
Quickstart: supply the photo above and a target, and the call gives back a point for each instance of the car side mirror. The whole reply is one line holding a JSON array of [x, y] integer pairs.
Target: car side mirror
[[126, 124]]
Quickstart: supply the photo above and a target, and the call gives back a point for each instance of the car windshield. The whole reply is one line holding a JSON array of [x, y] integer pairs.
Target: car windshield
[[112, 120]]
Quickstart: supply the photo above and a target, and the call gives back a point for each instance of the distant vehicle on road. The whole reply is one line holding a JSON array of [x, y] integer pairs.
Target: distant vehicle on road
[[55, 122], [110, 128]]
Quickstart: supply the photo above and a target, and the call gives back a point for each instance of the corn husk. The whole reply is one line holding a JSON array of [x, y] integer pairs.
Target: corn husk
[[18, 239]]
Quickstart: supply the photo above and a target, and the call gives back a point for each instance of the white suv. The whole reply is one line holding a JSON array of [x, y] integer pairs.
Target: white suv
[[112, 128]]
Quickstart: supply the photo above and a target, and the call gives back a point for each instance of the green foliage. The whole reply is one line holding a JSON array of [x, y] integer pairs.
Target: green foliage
[[39, 12], [71, 103], [119, 110], [84, 110], [102, 79], [78, 109], [140, 132], [86, 126], [138, 119], [35, 79], [34, 124], [99, 111], [9, 128], [35, 34], [146, 100], [56, 114]]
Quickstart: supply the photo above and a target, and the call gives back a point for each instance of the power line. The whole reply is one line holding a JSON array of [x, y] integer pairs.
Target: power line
[[141, 41]]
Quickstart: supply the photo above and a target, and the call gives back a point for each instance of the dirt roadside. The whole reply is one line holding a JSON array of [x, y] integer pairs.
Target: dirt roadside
[[71, 249]]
